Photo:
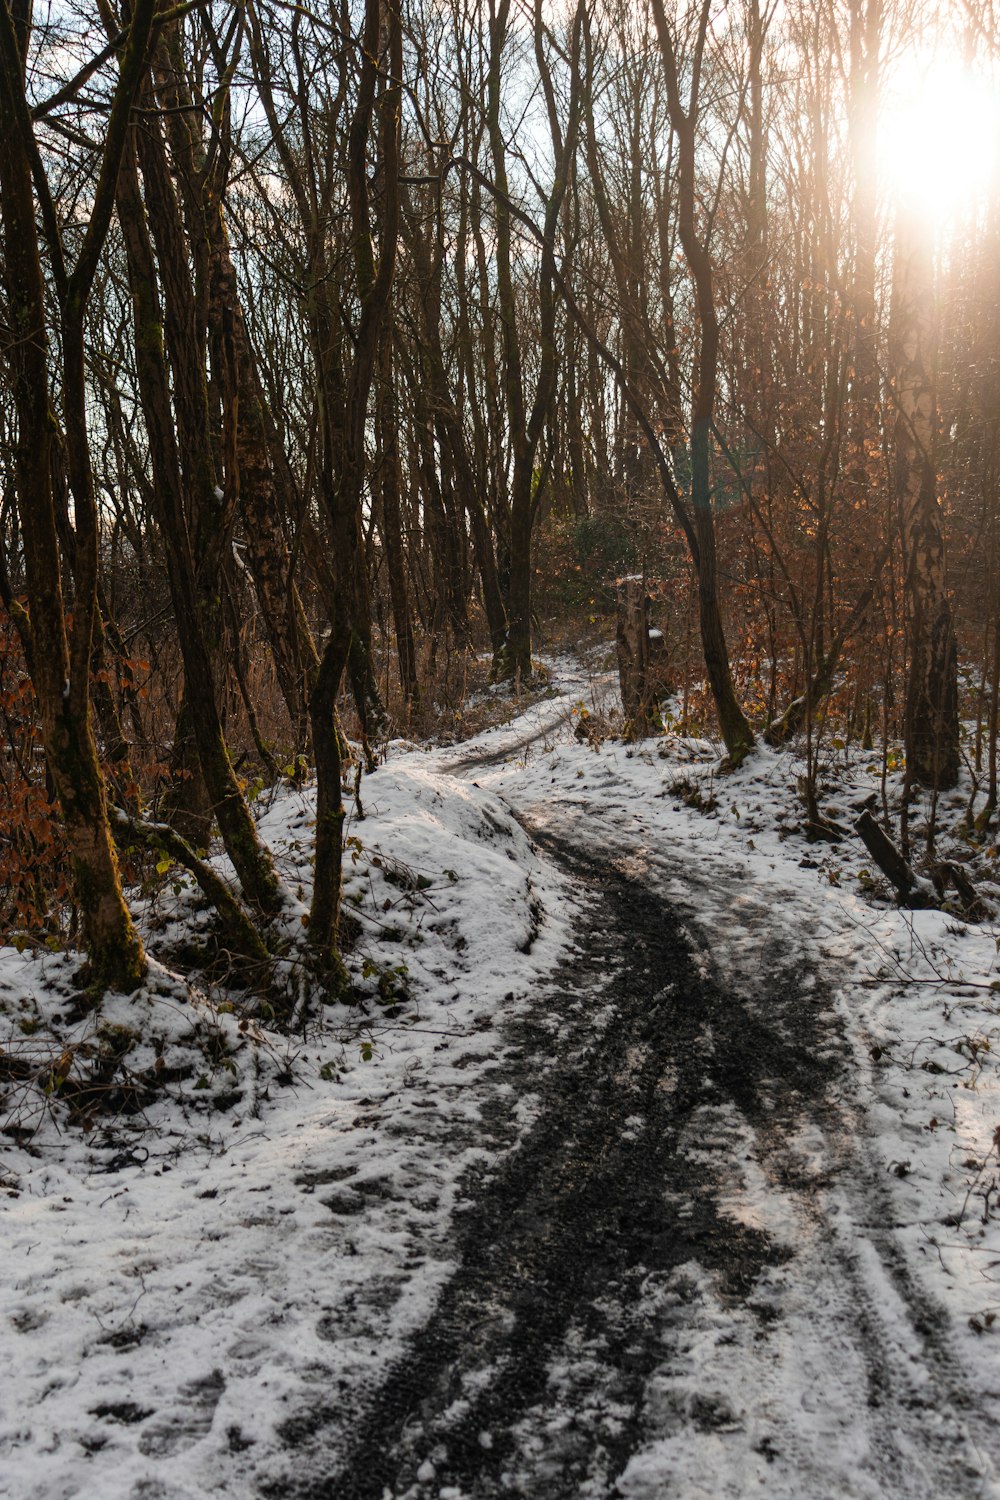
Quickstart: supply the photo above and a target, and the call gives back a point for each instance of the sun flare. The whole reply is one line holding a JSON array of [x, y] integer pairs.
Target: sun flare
[[939, 137]]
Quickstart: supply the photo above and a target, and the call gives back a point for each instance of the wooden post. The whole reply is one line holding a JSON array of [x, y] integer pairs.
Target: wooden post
[[631, 640], [638, 689]]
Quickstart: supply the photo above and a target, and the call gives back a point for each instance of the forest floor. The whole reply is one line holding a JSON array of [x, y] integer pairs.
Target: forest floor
[[660, 1156]]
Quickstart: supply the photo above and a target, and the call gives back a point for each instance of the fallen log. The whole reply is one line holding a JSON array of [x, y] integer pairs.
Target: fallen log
[[914, 890], [911, 889]]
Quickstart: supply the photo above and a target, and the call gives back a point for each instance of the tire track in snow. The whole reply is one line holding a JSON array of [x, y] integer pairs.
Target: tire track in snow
[[601, 1200], [927, 1433], [618, 1323]]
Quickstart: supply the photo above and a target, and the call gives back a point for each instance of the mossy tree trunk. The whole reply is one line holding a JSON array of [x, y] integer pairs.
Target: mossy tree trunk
[[61, 657], [193, 512]]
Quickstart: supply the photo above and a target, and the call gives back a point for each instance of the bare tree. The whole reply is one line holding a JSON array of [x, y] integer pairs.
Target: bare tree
[[61, 656], [932, 747]]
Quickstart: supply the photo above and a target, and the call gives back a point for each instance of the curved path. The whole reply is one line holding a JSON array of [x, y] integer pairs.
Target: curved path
[[680, 1276]]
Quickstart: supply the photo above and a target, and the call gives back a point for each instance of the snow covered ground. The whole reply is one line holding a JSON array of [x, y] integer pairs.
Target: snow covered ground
[[195, 1297]]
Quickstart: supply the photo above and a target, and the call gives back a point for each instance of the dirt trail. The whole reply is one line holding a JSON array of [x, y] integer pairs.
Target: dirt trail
[[610, 1294]]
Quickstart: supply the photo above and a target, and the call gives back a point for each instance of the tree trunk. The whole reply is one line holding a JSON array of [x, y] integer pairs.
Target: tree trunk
[[634, 657], [192, 521], [392, 529], [931, 718], [344, 439], [265, 483], [61, 664], [526, 424], [733, 723], [324, 911]]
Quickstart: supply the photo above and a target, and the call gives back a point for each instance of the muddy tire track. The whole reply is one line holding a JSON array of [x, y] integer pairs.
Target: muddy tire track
[[597, 1197]]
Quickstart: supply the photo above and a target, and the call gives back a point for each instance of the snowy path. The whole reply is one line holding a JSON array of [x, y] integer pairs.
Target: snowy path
[[671, 1170], [683, 1278]]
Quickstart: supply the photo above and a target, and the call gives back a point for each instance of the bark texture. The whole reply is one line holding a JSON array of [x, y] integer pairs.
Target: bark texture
[[60, 657], [931, 719]]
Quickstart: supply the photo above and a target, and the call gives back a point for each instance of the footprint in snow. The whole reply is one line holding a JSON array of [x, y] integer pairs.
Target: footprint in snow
[[157, 1489], [185, 1423]]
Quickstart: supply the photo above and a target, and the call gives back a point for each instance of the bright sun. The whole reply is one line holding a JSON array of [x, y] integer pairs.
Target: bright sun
[[939, 139]]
